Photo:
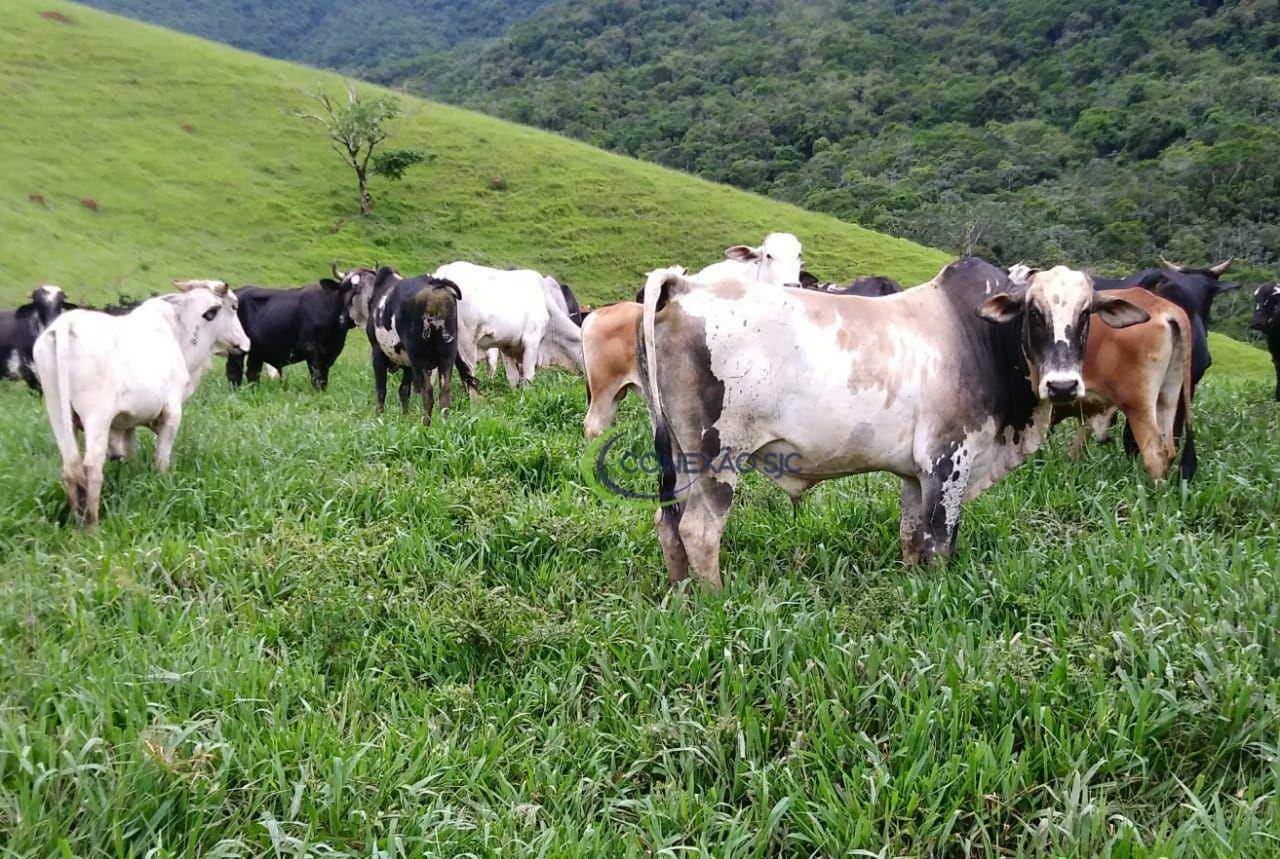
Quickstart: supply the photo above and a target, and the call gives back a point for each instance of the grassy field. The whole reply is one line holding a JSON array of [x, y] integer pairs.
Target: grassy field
[[325, 633]]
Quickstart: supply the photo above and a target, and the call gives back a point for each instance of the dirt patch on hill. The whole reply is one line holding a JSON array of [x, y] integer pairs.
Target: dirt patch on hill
[[56, 16]]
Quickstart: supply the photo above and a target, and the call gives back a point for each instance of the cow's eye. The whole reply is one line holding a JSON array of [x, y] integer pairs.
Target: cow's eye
[[1036, 315], [210, 313]]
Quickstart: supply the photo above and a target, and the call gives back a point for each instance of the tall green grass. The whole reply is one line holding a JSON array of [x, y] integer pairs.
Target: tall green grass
[[325, 633]]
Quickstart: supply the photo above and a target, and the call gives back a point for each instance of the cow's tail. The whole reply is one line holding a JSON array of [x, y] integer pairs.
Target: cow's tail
[[53, 346], [655, 291], [1182, 419]]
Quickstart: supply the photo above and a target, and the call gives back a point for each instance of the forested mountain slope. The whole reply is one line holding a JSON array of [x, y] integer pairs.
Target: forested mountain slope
[[350, 36], [1100, 132]]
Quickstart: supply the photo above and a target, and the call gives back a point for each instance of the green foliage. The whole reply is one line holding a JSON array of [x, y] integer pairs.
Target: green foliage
[[394, 162]]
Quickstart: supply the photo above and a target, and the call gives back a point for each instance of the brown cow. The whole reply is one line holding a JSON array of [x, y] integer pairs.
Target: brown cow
[[609, 352], [1144, 371]]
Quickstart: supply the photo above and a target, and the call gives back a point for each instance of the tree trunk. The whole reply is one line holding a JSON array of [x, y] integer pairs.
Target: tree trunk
[[366, 202]]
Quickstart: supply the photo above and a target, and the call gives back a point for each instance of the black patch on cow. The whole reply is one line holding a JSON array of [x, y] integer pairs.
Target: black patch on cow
[[1266, 319], [993, 367], [18, 332], [872, 286]]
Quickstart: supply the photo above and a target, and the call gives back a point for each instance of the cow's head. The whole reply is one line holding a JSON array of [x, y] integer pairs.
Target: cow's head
[[47, 303], [357, 288], [1020, 273], [1200, 286], [207, 311], [776, 261], [1055, 307], [1266, 308]]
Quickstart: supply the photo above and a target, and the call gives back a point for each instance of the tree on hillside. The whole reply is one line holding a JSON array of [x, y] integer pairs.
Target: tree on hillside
[[356, 129]]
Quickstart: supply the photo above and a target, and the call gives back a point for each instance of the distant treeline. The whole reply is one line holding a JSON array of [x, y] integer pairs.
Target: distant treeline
[[349, 35]]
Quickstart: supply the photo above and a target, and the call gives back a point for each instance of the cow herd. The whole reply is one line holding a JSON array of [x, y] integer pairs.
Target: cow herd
[[948, 385]]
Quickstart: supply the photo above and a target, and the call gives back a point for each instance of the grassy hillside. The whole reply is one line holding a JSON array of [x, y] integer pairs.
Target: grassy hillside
[[95, 109], [325, 633]]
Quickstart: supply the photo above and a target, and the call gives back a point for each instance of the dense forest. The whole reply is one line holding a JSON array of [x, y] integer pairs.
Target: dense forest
[[351, 36], [1096, 132]]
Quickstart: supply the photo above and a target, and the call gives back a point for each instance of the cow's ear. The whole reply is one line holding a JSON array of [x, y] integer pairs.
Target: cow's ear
[[67, 305], [25, 311], [219, 288], [184, 285], [330, 284], [1002, 307], [742, 253], [1118, 312], [1221, 287], [808, 281]]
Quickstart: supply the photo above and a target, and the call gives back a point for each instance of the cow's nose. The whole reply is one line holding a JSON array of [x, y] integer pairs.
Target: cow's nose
[[1061, 390]]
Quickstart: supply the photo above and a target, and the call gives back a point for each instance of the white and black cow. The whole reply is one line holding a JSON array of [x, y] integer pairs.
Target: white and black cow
[[949, 385], [412, 327], [19, 329], [1266, 319], [520, 313], [285, 326], [776, 261], [113, 374]]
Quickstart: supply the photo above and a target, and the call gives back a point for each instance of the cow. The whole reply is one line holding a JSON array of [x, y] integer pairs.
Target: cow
[[1020, 273], [412, 325], [609, 353], [20, 328], [949, 385], [567, 302], [776, 261], [1266, 319], [868, 286], [285, 326], [520, 313], [1144, 371], [112, 374]]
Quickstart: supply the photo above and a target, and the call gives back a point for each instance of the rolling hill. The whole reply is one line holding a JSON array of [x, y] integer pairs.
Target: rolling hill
[[137, 155], [197, 166]]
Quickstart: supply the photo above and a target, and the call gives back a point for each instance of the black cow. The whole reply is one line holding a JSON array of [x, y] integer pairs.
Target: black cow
[[20, 328], [869, 286], [285, 326], [412, 327], [575, 310], [1266, 318]]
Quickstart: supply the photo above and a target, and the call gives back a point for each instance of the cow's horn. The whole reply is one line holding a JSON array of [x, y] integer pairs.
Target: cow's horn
[[1221, 268], [1169, 267], [334, 266]]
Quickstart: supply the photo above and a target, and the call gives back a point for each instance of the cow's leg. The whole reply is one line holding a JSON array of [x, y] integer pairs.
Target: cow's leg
[[254, 371], [943, 479], [529, 359], [406, 389], [423, 381], [603, 408], [512, 368], [96, 437], [122, 444], [166, 429], [235, 369], [380, 378], [1146, 433], [702, 524], [318, 380], [491, 357], [911, 521], [446, 383], [324, 375]]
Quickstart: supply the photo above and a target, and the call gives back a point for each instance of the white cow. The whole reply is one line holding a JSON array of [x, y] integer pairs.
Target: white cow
[[777, 261], [112, 374], [520, 313]]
